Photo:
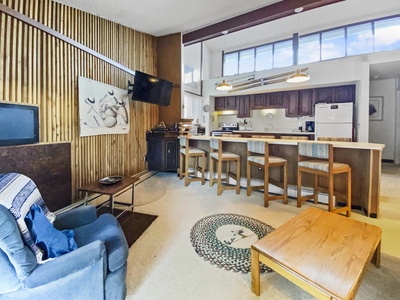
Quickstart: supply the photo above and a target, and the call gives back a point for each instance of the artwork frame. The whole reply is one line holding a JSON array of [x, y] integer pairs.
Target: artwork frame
[[193, 69], [103, 109], [376, 108]]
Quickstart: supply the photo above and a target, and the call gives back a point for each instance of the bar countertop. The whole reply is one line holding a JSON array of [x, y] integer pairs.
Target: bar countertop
[[349, 145]]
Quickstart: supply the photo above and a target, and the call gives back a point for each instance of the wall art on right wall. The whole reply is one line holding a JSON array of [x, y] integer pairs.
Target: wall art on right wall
[[376, 108]]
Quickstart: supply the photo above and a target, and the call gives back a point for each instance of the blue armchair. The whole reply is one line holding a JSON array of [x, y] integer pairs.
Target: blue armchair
[[95, 270]]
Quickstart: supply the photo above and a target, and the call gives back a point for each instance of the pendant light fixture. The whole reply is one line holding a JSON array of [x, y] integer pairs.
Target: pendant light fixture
[[224, 86], [298, 77]]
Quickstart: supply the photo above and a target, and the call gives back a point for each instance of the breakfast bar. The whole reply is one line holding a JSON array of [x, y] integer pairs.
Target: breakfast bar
[[363, 158]]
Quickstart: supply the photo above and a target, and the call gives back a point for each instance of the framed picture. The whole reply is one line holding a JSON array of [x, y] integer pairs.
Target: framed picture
[[193, 71], [376, 108]]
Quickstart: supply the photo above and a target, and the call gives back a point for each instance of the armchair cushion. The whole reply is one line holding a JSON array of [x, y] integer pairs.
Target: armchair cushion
[[51, 241], [18, 193], [112, 236], [20, 256]]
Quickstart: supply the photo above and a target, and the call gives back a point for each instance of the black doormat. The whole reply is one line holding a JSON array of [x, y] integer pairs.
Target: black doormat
[[133, 224]]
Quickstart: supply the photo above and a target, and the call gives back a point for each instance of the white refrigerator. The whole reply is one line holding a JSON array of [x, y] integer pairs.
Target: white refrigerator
[[334, 120]]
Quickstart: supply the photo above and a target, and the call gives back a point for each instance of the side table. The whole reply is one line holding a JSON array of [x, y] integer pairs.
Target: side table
[[112, 190]]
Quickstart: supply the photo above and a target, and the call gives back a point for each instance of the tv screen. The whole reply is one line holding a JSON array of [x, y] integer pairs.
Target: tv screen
[[147, 88], [19, 124]]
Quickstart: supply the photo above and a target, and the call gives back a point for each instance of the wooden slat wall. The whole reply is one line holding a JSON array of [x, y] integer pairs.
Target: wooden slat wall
[[41, 69]]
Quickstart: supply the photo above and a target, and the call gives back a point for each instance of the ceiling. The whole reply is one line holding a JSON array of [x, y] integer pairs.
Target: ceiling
[[164, 17], [172, 16]]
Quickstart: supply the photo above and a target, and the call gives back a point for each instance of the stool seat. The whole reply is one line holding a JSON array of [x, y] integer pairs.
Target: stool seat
[[192, 150], [322, 166], [261, 160], [265, 161], [224, 155]]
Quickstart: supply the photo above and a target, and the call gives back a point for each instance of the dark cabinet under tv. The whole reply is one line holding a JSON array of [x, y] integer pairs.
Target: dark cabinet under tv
[[162, 150]]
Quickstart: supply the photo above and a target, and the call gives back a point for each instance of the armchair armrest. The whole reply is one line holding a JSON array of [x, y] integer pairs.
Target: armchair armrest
[[82, 258], [76, 217]]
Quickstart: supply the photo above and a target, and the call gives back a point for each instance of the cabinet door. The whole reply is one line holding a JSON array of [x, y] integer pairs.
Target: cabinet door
[[243, 103], [171, 157], [219, 103], [230, 103], [306, 105], [323, 95], [292, 103], [258, 101], [275, 100], [345, 93]]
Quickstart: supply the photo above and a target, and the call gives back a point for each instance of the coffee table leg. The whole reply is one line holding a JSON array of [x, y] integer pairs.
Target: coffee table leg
[[255, 272]]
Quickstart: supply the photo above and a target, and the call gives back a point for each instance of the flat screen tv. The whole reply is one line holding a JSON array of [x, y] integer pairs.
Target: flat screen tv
[[151, 89], [19, 124]]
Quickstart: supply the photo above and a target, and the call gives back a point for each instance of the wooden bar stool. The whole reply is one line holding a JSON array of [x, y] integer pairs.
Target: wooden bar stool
[[185, 153], [218, 156], [265, 162], [317, 159]]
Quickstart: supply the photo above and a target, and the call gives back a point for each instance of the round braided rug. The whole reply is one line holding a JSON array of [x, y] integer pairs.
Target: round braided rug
[[224, 240]]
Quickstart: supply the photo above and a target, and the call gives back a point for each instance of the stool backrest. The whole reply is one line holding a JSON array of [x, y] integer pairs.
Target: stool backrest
[[315, 150], [215, 144], [256, 146], [183, 140]]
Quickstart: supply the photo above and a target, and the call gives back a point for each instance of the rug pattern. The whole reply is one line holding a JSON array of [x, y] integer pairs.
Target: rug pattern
[[219, 252]]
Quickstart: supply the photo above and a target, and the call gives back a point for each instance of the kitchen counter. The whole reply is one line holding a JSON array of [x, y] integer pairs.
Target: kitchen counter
[[363, 158]]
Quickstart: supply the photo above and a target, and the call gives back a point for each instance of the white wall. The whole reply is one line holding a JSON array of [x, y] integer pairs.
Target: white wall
[[383, 132]]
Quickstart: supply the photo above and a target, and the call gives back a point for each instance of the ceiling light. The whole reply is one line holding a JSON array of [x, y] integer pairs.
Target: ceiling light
[[224, 86], [298, 77]]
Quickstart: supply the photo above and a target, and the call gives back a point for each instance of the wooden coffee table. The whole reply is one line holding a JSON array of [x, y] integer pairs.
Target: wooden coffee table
[[323, 253]]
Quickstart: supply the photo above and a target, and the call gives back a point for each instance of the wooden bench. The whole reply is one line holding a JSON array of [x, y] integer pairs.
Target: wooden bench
[[323, 253]]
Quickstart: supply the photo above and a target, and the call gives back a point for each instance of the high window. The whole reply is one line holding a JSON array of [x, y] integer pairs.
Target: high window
[[354, 39]]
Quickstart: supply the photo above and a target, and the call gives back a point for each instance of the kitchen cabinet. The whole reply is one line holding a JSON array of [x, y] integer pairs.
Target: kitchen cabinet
[[162, 150], [225, 103], [258, 101], [345, 93], [291, 99], [275, 100], [243, 104], [335, 94], [299, 103]]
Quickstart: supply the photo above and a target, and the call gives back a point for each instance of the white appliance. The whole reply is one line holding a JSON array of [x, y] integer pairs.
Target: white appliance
[[334, 120]]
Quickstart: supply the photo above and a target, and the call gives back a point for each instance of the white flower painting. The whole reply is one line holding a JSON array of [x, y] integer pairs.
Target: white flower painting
[[103, 109]]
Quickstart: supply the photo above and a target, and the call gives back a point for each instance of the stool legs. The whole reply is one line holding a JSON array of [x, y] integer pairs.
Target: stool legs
[[228, 174], [184, 168]]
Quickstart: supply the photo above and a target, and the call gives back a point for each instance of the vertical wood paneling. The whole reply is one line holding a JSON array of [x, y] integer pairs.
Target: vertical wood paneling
[[38, 68]]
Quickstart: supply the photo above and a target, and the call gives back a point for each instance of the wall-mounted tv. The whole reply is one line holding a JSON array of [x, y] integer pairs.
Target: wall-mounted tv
[[151, 89], [19, 124]]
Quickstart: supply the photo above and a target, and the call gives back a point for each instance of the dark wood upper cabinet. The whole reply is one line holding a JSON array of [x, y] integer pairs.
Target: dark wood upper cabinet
[[323, 95], [299, 103], [345, 93], [243, 106], [225, 103], [275, 100], [258, 101], [291, 99], [335, 94], [306, 104]]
